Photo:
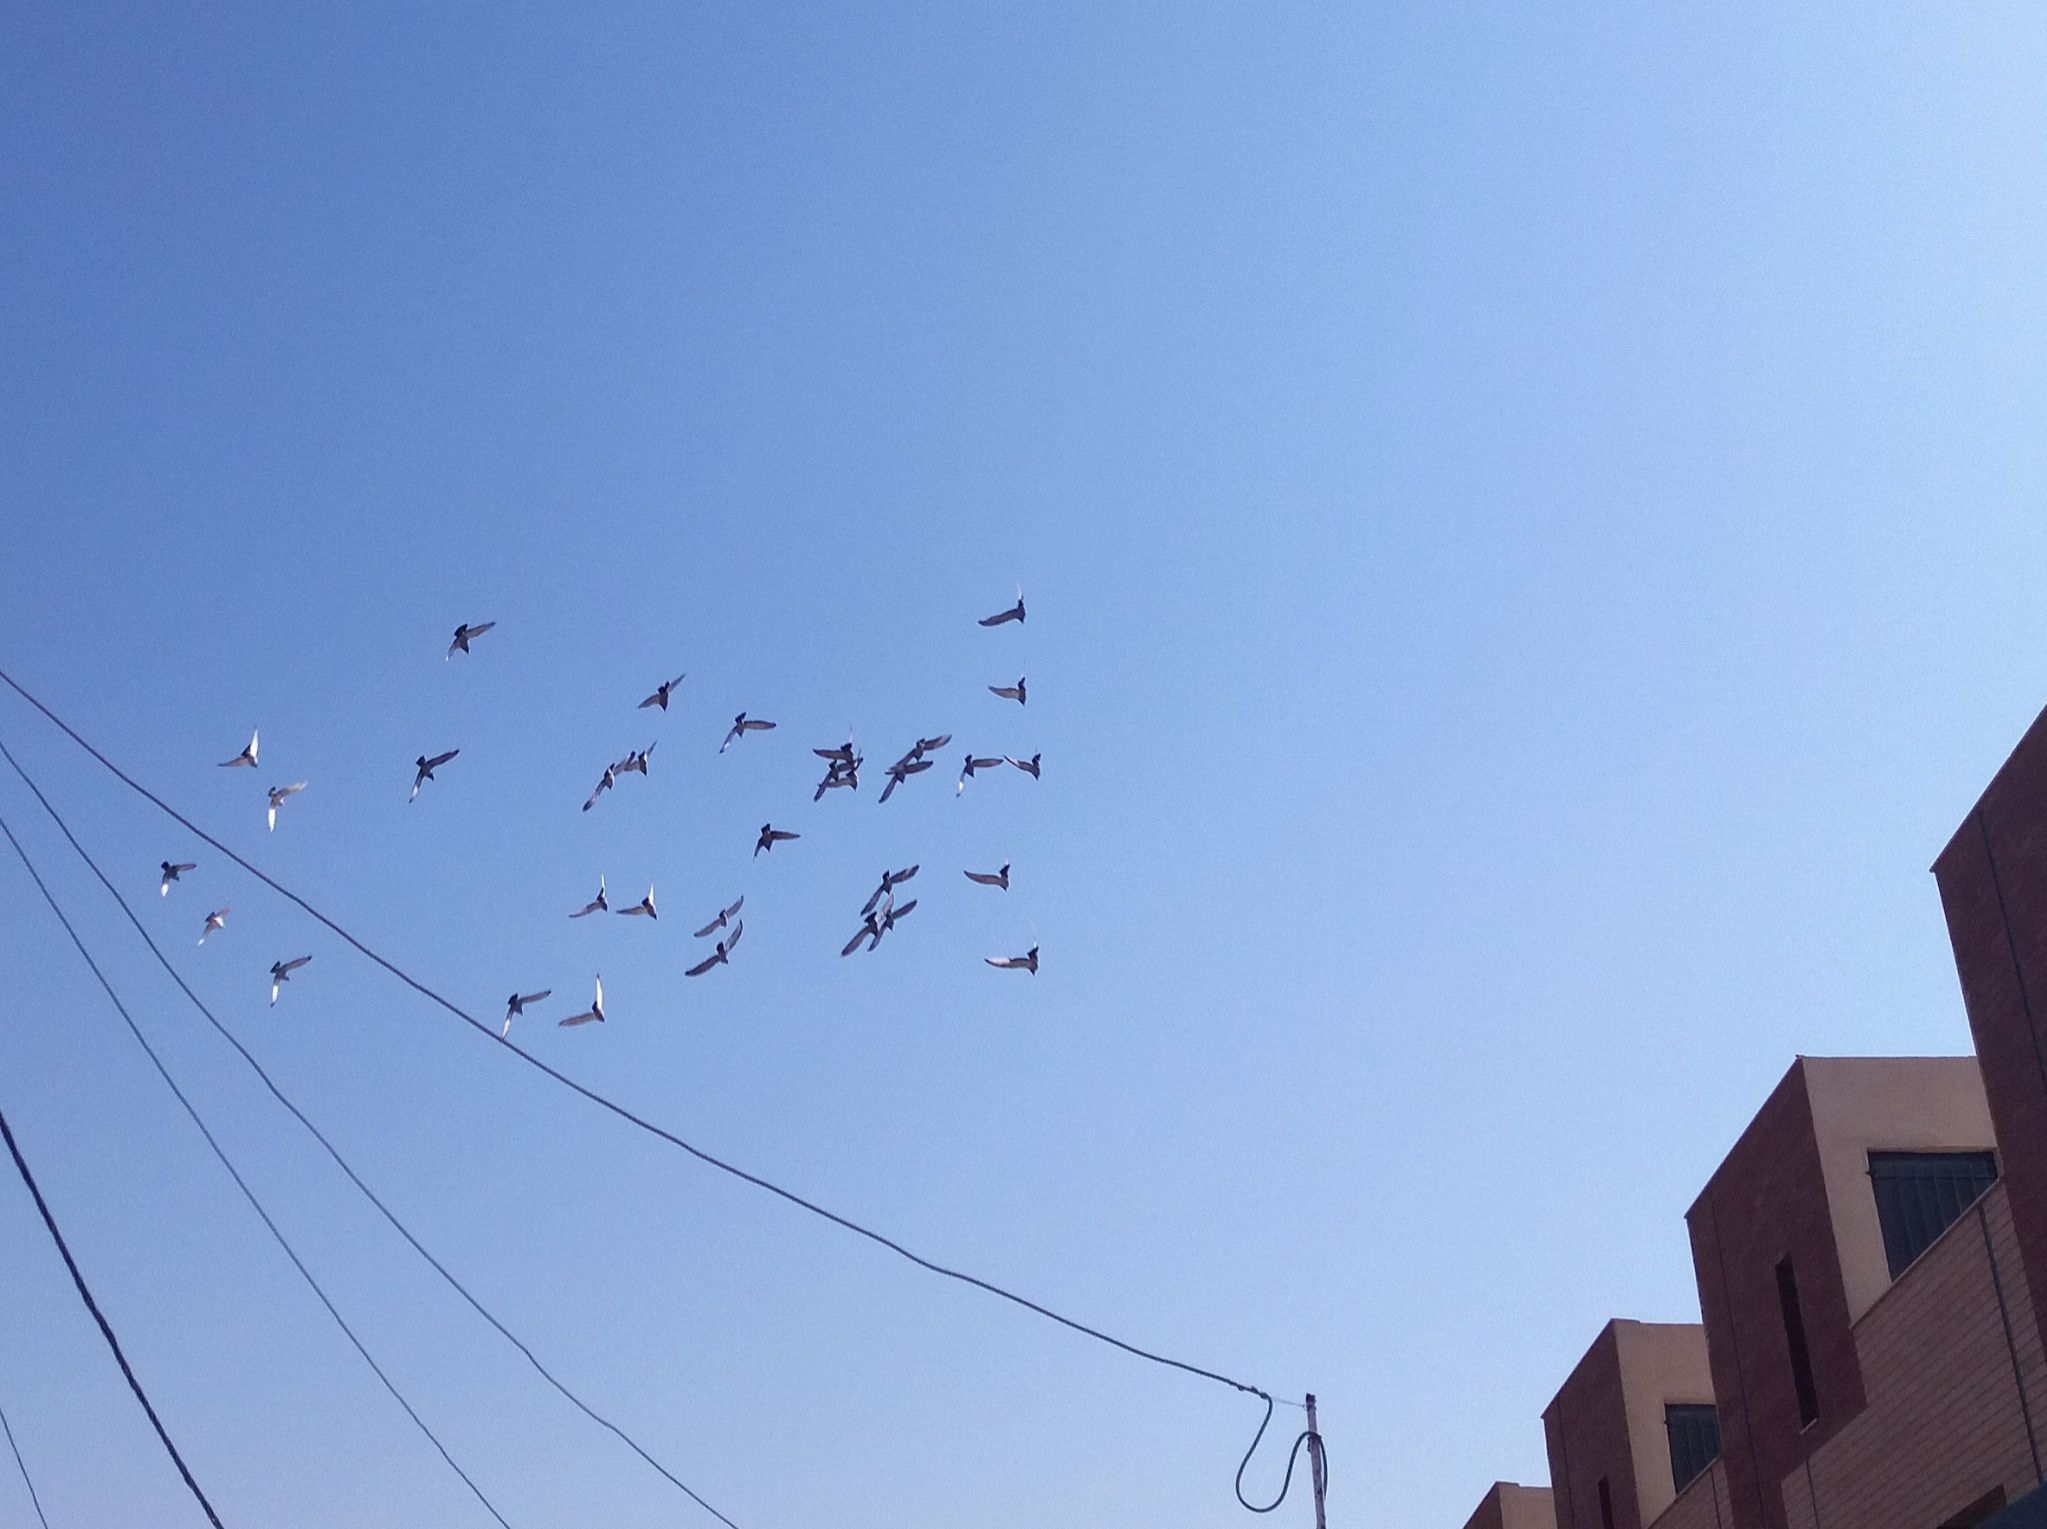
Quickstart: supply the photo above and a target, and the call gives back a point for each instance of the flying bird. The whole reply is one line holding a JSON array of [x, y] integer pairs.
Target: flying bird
[[724, 917], [635, 761], [660, 696], [610, 779], [878, 922], [423, 770], [721, 955], [597, 904], [594, 1012], [277, 796], [1028, 962], [901, 771], [770, 837], [217, 919], [836, 776], [1014, 613], [995, 879], [967, 770], [1011, 692], [464, 633], [516, 1005], [742, 724], [842, 755], [870, 929], [1028, 766], [170, 874], [645, 906], [247, 755], [280, 973], [924, 746], [890, 880]]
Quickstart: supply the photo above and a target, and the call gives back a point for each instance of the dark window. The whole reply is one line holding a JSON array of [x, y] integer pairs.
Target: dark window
[[1794, 1340], [1605, 1505], [1919, 1195], [1694, 1439]]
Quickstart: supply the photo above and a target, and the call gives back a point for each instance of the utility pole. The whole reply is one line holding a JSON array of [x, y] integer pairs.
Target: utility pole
[[1317, 1475]]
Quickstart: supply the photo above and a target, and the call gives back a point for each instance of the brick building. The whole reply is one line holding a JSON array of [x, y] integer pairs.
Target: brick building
[[1867, 1257], [1508, 1506]]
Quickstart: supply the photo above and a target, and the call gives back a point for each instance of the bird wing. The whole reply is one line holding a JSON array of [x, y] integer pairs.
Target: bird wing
[[652, 700], [440, 759], [481, 627], [926, 745], [294, 964], [785, 833], [755, 725], [895, 779], [732, 939], [706, 964], [854, 944], [903, 911], [736, 906], [291, 790], [274, 984], [714, 924], [583, 1018], [904, 875], [984, 877]]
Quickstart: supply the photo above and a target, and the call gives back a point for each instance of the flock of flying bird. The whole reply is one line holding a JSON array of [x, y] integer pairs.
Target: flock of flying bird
[[881, 912]]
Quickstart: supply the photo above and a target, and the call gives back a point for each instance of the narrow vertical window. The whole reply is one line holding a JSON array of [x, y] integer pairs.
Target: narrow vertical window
[[1794, 1340], [1605, 1505]]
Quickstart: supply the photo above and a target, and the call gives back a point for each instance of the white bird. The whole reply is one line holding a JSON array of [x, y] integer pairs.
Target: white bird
[[247, 755], [743, 724], [890, 880], [721, 955], [1014, 692], [277, 796], [1028, 766], [660, 696], [423, 769], [1014, 613], [597, 904], [770, 837], [217, 919], [170, 874], [516, 1005], [724, 917], [280, 973], [645, 906], [1024, 963], [998, 879], [967, 770], [464, 633], [594, 1012]]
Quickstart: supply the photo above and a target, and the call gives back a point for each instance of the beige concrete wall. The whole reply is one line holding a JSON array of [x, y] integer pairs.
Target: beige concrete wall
[[1885, 1104], [1526, 1507], [1702, 1505], [1661, 1362]]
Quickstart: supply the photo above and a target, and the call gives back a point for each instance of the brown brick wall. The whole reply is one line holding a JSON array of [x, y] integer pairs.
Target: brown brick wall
[[1997, 945], [1508, 1506], [1586, 1426], [1765, 1201], [1944, 1424], [1702, 1505]]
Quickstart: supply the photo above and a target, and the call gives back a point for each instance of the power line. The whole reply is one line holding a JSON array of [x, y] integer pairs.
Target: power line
[[335, 1153], [26, 1479], [242, 1185], [106, 1332], [702, 1156]]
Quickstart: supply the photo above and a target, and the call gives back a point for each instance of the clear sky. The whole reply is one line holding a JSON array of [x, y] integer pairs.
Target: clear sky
[[1530, 518]]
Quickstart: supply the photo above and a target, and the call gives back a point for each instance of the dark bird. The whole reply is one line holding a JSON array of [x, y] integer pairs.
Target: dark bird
[[170, 874], [635, 762], [1028, 766], [837, 776], [597, 904], [901, 771], [1027, 962], [594, 1012], [719, 956], [217, 919], [842, 755], [724, 917], [660, 696], [1010, 692], [967, 770], [924, 746], [423, 769], [1014, 613], [997, 879], [516, 1005], [643, 908], [277, 796], [770, 837], [870, 929], [247, 755], [464, 633], [890, 880], [743, 724], [280, 973], [878, 922], [609, 780]]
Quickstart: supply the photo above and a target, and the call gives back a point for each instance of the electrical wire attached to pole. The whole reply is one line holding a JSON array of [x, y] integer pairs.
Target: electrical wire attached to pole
[[641, 1122]]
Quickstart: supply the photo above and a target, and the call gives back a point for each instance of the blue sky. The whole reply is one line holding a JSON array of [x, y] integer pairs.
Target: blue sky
[[1530, 519]]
